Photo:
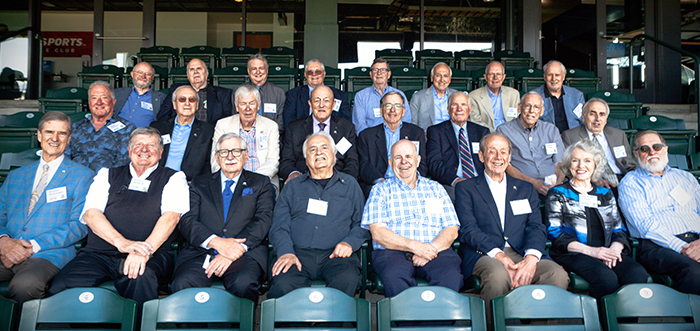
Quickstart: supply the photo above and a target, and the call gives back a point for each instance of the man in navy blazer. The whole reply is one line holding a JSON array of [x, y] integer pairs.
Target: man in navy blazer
[[444, 163], [226, 242], [297, 106], [140, 103], [563, 105], [186, 140], [502, 234], [214, 101], [374, 144]]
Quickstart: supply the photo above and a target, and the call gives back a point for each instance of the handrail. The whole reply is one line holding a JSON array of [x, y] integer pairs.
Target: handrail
[[41, 52], [673, 48]]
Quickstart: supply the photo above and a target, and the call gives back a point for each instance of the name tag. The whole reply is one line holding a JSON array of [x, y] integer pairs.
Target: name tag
[[343, 145], [204, 104], [433, 206], [415, 143], [139, 185], [377, 112], [56, 194], [578, 110], [166, 139], [270, 108], [475, 148], [317, 207], [512, 112], [619, 152], [680, 195], [520, 207], [116, 126], [263, 142], [551, 148], [146, 105], [206, 262], [590, 201], [336, 105]]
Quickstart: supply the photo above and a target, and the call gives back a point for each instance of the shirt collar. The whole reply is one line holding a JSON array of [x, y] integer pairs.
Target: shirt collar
[[145, 173], [492, 182], [549, 95], [435, 93], [456, 128], [493, 95], [224, 179], [148, 92], [383, 91], [183, 126], [523, 128], [53, 164], [386, 127], [590, 134], [328, 121]]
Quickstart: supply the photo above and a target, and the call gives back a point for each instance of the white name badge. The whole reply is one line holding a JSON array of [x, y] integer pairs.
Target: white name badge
[[551, 148], [417, 144], [550, 180], [433, 206], [206, 262], [140, 185], [317, 207], [116, 126], [512, 112], [343, 145], [475, 148], [520, 207], [680, 195], [619, 152], [146, 105], [166, 139], [590, 201], [336, 105], [377, 112], [263, 142], [56, 194], [270, 108], [578, 110]]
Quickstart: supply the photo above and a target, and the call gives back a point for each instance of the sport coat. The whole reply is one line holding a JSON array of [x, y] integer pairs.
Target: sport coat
[[483, 113], [122, 95], [443, 150], [195, 161], [249, 215], [423, 107], [481, 229], [299, 130], [218, 103], [615, 138], [572, 98], [55, 225], [374, 157], [297, 104]]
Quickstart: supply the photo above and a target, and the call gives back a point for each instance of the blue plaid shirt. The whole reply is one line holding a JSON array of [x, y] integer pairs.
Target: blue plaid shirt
[[100, 149], [419, 214]]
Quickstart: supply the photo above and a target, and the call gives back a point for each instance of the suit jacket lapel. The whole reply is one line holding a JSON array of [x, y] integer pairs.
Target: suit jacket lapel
[[431, 102], [192, 141], [485, 191], [380, 144], [217, 196], [511, 193], [334, 129], [55, 182], [166, 147], [305, 100], [450, 134], [309, 126]]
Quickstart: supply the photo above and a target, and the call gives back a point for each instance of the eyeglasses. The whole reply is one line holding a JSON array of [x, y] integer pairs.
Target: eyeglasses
[[378, 70], [646, 149], [494, 74], [316, 72], [261, 69], [389, 106], [236, 152], [245, 105], [529, 106], [185, 99], [318, 101], [139, 73]]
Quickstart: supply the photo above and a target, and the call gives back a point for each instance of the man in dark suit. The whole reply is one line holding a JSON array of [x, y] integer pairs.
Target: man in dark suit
[[502, 234], [230, 215], [374, 144], [297, 104], [293, 163], [445, 163], [140, 103], [187, 140], [214, 101]]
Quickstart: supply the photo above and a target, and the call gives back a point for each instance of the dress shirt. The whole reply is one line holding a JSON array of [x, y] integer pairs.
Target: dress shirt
[[418, 214], [529, 147], [440, 104], [253, 163], [178, 144], [223, 187], [469, 145], [652, 212], [327, 122], [138, 108], [606, 149], [366, 101], [497, 106], [103, 148], [391, 139], [53, 166], [175, 197]]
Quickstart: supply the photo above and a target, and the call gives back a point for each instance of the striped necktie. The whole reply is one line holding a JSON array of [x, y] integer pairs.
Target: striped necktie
[[39, 189], [465, 156]]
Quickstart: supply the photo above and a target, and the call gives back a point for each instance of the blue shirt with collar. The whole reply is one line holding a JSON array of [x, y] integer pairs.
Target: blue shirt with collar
[[391, 139], [138, 109], [440, 104], [497, 106], [178, 144], [366, 100]]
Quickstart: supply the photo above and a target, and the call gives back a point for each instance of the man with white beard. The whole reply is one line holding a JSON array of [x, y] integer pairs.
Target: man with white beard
[[140, 103], [662, 207]]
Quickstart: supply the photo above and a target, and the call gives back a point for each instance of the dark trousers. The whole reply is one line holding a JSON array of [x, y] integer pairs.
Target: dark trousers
[[242, 278], [28, 279], [339, 273], [684, 270], [602, 280], [397, 272], [90, 269]]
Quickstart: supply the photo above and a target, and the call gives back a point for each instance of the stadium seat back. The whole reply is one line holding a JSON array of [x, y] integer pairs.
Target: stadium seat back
[[461, 80], [428, 58], [231, 76], [284, 77], [471, 60], [163, 56], [527, 79], [281, 56], [236, 56], [8, 314], [105, 72], [408, 78], [210, 55], [357, 78], [395, 57], [514, 60], [584, 81], [332, 77]]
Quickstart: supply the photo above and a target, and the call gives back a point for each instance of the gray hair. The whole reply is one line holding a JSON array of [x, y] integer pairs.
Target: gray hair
[[244, 91], [381, 60], [483, 140], [102, 83], [454, 95], [148, 131], [231, 135], [381, 101], [592, 100], [639, 135], [327, 136], [184, 87], [56, 116], [522, 99], [551, 62], [312, 61], [260, 57], [440, 64], [587, 146], [486, 70]]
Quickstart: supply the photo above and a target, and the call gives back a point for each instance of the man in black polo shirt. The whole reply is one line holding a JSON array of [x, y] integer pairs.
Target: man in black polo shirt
[[131, 212]]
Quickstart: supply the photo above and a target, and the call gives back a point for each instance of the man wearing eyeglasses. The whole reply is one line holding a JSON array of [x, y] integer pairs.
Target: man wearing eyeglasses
[[374, 144], [366, 111], [229, 217], [139, 104], [494, 104], [186, 140], [662, 208], [297, 104], [429, 106], [563, 105], [271, 95]]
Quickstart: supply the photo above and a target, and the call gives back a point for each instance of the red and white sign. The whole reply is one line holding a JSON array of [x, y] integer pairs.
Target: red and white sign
[[67, 44]]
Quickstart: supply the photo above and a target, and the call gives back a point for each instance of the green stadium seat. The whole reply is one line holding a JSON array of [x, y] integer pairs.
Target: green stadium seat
[[209, 308], [284, 77], [236, 56], [679, 140], [408, 78], [332, 77], [105, 72], [584, 81], [479, 80], [651, 307], [8, 314], [357, 79], [395, 57], [4, 290], [93, 308], [461, 80], [409, 94], [525, 304], [9, 161], [431, 303], [210, 55], [319, 306], [281, 56], [67, 100], [528, 79], [163, 56], [160, 78], [231, 76], [427, 58], [471, 60], [622, 105], [514, 60], [18, 131]]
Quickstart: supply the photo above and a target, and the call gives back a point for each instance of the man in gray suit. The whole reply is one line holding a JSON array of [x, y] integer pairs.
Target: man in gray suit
[[139, 104], [494, 104], [429, 106], [612, 141]]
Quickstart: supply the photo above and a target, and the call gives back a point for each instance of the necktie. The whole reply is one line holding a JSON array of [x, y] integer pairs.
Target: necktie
[[465, 156], [322, 126], [608, 174], [227, 194], [39, 189]]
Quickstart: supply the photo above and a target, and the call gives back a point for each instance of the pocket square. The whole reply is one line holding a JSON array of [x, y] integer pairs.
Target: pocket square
[[247, 190]]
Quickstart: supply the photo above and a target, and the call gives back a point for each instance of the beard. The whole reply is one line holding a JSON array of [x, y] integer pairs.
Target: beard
[[652, 167], [139, 85]]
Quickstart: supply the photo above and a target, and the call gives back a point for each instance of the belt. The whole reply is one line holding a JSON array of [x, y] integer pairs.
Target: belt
[[688, 237]]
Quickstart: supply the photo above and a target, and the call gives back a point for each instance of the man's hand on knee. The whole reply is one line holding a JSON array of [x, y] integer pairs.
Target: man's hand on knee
[[692, 250], [526, 271], [285, 262], [14, 251], [508, 264], [135, 265]]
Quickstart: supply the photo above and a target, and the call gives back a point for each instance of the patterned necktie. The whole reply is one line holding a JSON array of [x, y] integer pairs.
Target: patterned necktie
[[227, 194], [39, 189], [465, 156], [608, 174], [321, 126]]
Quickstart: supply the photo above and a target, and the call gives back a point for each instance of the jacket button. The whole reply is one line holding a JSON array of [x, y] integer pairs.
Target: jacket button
[[505, 238], [225, 230]]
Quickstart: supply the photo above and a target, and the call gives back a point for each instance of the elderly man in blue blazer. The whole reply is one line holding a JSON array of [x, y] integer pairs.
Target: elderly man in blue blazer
[[563, 105], [39, 209]]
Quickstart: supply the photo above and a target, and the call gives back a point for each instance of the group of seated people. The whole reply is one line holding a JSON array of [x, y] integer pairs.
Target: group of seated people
[[204, 165]]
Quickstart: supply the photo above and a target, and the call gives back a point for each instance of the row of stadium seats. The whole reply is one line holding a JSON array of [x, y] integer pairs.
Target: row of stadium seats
[[532, 307]]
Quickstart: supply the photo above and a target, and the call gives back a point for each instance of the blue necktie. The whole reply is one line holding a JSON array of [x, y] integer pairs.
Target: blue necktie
[[465, 156], [227, 194]]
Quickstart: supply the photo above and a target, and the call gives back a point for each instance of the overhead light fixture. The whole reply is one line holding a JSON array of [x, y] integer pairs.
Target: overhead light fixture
[[489, 0], [238, 0]]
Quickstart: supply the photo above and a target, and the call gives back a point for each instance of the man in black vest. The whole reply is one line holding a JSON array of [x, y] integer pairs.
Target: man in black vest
[[131, 212]]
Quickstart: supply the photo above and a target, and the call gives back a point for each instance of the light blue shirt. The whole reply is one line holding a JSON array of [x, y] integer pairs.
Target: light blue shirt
[[469, 146], [497, 106], [660, 207], [391, 139], [440, 105], [366, 101], [136, 109], [178, 144]]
